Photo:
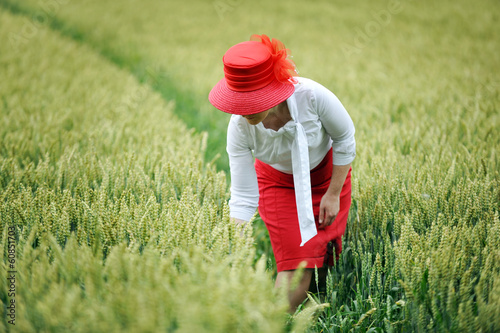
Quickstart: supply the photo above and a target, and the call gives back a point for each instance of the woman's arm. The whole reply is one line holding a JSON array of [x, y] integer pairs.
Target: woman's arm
[[339, 126], [244, 187]]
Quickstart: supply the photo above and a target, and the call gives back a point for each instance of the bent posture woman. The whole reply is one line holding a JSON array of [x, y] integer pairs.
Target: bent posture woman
[[290, 143]]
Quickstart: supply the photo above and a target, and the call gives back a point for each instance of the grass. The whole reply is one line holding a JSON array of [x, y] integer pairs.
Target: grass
[[419, 82]]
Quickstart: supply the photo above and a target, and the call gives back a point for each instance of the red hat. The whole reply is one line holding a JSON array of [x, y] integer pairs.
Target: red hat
[[258, 75]]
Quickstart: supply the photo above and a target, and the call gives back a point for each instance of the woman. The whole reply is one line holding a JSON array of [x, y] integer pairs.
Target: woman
[[302, 139]]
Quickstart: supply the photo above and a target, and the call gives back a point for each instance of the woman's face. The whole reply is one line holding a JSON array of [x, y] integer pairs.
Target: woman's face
[[254, 119]]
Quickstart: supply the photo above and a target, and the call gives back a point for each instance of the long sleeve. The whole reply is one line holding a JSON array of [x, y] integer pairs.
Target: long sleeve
[[338, 124], [244, 187]]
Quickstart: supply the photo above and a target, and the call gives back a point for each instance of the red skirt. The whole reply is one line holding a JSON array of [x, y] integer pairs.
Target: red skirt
[[278, 210]]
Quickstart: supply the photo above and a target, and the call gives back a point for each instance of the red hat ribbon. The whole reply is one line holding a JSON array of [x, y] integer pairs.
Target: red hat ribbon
[[284, 67]]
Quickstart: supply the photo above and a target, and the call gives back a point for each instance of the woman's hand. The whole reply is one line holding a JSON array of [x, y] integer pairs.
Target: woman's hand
[[238, 221], [329, 207], [241, 223]]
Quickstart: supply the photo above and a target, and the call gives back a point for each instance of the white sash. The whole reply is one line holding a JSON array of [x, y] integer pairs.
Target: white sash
[[301, 176]]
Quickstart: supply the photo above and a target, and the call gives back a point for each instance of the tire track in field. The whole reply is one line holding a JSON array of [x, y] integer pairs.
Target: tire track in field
[[157, 78]]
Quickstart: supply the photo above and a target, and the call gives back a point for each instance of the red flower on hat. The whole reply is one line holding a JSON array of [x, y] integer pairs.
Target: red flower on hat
[[284, 67]]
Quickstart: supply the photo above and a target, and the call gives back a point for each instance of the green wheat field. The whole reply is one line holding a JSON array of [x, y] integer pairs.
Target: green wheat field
[[114, 179]]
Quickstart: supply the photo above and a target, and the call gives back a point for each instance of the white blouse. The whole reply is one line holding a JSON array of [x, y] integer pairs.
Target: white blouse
[[326, 124]]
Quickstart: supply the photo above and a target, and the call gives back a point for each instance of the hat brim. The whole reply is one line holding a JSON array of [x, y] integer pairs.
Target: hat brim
[[249, 102]]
